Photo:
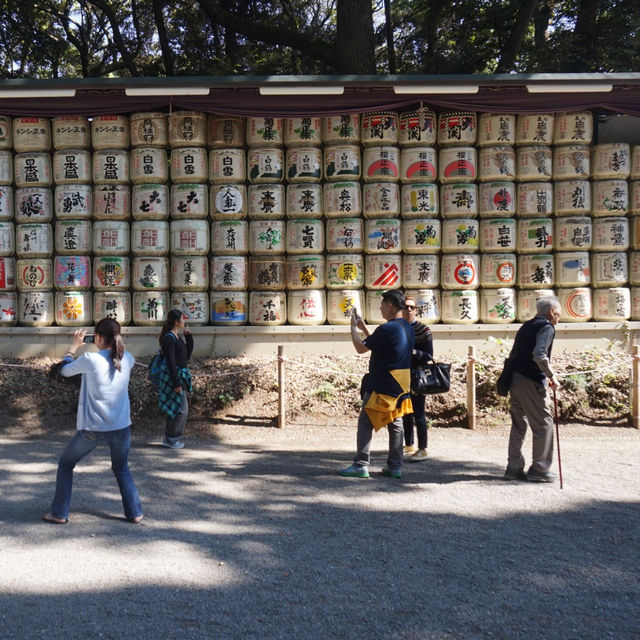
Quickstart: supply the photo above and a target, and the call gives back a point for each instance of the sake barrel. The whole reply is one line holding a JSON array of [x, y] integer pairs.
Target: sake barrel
[[575, 304], [342, 199], [380, 199], [7, 273], [498, 235], [496, 163], [459, 271], [459, 200], [572, 269], [149, 165], [496, 129], [189, 273], [534, 128], [187, 129], [460, 307], [421, 271], [535, 271], [227, 166], [34, 240], [6, 203], [229, 238], [457, 164], [610, 234], [571, 162], [229, 273], [112, 202], [497, 199], [305, 272], [419, 201], [421, 235], [345, 235], [34, 273], [149, 272], [6, 167], [634, 224], [307, 307], [498, 270], [31, 134], [341, 304], [193, 304], [189, 237], [189, 201], [73, 237], [610, 197], [72, 166], [342, 129], [609, 269], [7, 239], [460, 234], [111, 273], [150, 308], [33, 204], [635, 304], [634, 267], [229, 308], [8, 308], [534, 164], [535, 235], [342, 162], [112, 304], [265, 165], [111, 238], [267, 308], [634, 197], [149, 129], [457, 128], [634, 172], [267, 273], [372, 311], [150, 202], [303, 131], [381, 164], [228, 201], [72, 273], [527, 298], [573, 233], [379, 128], [74, 308], [267, 237], [427, 304], [110, 132], [32, 169], [305, 235], [267, 201], [572, 197], [304, 164], [150, 238], [73, 201], [6, 132], [188, 164], [611, 161], [265, 131], [574, 127], [498, 306], [382, 235], [611, 304], [304, 200], [418, 165], [344, 270], [225, 131], [36, 308], [418, 128], [536, 199], [382, 271]]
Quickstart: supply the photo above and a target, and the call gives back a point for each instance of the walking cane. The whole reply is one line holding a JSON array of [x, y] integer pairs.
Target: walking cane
[[555, 404]]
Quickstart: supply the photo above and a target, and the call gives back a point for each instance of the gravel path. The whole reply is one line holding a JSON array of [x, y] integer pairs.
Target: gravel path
[[253, 535]]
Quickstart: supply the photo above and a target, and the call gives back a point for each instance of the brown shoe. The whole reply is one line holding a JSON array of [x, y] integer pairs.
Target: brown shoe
[[51, 519]]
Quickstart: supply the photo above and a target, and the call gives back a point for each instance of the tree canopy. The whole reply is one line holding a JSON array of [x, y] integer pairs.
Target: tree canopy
[[117, 38]]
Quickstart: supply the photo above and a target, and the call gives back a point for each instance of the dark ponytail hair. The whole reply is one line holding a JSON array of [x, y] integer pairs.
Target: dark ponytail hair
[[109, 329], [175, 315]]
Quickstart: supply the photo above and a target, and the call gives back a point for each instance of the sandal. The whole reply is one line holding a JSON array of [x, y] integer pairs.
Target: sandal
[[50, 518], [135, 520]]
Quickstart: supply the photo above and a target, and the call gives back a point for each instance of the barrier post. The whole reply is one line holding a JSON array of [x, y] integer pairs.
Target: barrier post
[[281, 390], [634, 385], [471, 388]]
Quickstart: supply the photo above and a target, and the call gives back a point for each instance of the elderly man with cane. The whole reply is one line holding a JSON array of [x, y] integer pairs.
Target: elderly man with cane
[[530, 399]]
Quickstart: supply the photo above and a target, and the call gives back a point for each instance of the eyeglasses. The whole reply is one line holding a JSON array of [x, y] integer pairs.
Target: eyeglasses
[[410, 307]]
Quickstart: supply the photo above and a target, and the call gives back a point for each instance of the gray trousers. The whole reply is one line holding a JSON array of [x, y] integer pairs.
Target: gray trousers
[[174, 427], [530, 407], [365, 436]]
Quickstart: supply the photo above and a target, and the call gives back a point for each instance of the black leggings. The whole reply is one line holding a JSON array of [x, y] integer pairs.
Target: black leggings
[[421, 422]]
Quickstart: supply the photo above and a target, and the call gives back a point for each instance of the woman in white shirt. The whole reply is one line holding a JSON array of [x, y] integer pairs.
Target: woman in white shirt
[[103, 416]]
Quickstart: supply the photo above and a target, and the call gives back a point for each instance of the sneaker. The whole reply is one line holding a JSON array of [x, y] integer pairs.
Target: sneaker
[[419, 456], [540, 476], [514, 475], [176, 444], [409, 449], [391, 473], [354, 471]]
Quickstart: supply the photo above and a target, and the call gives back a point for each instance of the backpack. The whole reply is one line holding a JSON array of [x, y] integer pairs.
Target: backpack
[[158, 362]]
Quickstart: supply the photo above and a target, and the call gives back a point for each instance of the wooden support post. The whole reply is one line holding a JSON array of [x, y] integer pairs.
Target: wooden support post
[[634, 384], [471, 387], [282, 403]]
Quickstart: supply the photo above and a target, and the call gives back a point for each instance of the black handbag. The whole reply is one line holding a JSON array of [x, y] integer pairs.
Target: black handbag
[[431, 378], [58, 380], [504, 380]]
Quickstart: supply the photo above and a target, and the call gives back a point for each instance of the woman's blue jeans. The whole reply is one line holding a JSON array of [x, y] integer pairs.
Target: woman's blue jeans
[[83, 443]]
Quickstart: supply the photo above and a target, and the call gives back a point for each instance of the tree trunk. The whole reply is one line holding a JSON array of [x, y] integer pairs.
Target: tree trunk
[[514, 42], [167, 53], [582, 55], [355, 43], [388, 28]]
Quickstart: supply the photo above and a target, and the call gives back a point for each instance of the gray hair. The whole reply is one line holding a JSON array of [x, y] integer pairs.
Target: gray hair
[[545, 304]]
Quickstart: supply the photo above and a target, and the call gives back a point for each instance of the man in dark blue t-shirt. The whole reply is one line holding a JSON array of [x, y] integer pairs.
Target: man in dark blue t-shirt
[[386, 387]]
